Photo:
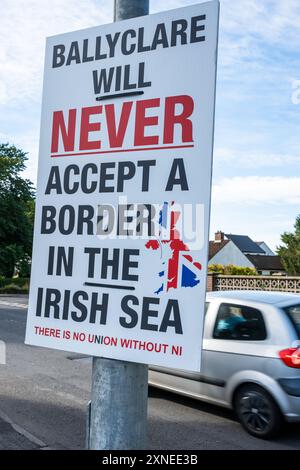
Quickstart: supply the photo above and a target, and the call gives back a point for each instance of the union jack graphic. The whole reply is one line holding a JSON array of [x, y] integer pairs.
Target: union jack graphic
[[178, 267]]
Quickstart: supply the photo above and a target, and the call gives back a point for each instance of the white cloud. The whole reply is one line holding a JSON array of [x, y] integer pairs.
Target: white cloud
[[24, 26], [249, 160], [245, 24], [257, 190], [249, 27], [26, 23], [269, 20]]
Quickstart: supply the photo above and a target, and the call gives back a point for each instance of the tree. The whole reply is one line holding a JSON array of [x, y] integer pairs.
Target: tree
[[16, 211], [290, 251]]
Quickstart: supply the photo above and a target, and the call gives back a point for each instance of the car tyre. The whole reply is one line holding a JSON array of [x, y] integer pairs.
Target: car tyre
[[257, 411]]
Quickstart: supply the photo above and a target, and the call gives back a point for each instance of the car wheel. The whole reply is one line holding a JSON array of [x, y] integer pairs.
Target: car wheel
[[257, 411]]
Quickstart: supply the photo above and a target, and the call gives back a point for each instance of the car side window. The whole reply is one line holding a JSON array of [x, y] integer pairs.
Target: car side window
[[239, 322]]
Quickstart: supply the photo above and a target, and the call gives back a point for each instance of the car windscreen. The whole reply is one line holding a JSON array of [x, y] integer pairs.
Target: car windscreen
[[293, 312]]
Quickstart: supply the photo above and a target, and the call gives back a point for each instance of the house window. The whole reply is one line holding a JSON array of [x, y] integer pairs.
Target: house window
[[239, 322]]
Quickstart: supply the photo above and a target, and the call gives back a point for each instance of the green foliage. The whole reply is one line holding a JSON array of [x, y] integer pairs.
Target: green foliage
[[14, 289], [216, 268], [289, 252], [16, 285], [232, 270], [16, 211], [17, 281]]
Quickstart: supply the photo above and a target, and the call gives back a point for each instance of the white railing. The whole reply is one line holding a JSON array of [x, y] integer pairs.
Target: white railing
[[271, 283]]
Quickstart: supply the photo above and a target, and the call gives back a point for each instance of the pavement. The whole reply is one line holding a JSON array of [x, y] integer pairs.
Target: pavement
[[44, 395]]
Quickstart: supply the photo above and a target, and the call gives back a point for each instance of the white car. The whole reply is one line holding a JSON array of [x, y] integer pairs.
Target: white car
[[250, 359]]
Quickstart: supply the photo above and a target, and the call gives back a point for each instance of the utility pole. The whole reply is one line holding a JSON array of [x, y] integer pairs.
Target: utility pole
[[118, 410]]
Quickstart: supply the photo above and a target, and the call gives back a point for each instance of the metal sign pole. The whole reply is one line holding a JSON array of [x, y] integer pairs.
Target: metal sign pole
[[125, 9], [118, 409]]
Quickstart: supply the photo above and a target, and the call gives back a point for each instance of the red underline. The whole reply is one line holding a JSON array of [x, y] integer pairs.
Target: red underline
[[166, 147]]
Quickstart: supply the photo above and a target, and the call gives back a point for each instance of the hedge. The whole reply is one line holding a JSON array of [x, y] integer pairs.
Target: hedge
[[232, 270], [16, 285]]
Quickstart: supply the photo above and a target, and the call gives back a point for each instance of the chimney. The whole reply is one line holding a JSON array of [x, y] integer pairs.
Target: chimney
[[219, 236]]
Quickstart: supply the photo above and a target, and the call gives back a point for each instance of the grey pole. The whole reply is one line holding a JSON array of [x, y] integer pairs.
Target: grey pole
[[118, 409], [118, 405], [125, 9]]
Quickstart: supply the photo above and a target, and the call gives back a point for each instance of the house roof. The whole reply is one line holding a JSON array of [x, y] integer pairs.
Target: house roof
[[245, 244], [215, 247], [264, 246], [266, 263]]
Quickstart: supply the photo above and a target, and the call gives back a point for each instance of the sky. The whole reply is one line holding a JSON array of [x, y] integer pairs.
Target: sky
[[256, 177]]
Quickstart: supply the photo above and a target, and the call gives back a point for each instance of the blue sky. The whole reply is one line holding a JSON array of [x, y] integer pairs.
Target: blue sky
[[256, 178]]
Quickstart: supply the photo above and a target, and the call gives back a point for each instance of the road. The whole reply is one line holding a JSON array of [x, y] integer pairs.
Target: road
[[44, 393]]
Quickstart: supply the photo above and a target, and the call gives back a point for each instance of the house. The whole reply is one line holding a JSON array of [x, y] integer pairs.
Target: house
[[265, 248], [241, 250]]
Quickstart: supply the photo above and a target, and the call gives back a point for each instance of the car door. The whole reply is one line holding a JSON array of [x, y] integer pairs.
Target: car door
[[234, 341], [183, 381]]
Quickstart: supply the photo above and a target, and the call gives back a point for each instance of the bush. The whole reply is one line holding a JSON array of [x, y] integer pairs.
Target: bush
[[14, 289], [17, 285], [17, 281], [232, 270], [216, 268]]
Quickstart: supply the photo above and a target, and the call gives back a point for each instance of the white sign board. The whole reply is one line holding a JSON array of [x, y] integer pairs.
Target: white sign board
[[123, 192]]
